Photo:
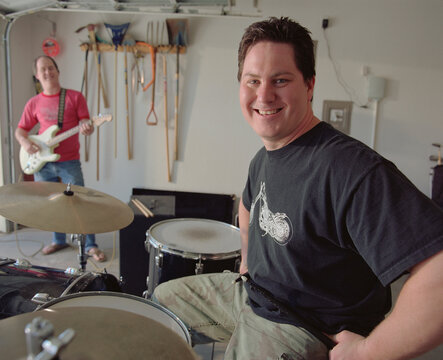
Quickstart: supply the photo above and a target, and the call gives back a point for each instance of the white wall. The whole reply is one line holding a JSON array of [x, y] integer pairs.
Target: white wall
[[399, 40]]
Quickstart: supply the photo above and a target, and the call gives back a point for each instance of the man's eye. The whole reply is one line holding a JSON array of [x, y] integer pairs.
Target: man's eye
[[252, 82], [281, 81]]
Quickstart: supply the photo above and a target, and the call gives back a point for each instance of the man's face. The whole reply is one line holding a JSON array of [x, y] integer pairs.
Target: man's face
[[47, 73], [274, 97]]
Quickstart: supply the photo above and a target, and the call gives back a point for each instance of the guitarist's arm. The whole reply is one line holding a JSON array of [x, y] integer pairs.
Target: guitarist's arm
[[86, 127], [22, 137]]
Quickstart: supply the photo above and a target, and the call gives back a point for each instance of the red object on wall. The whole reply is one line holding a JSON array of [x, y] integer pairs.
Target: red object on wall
[[50, 47]]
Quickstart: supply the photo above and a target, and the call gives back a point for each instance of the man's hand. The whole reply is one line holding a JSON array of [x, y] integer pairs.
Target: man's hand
[[349, 346], [30, 147], [86, 128]]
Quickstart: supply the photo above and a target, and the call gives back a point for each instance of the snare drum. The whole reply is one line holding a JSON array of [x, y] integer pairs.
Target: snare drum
[[125, 302], [21, 281], [182, 247]]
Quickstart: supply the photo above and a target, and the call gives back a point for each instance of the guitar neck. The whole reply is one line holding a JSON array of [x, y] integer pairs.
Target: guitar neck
[[63, 136]]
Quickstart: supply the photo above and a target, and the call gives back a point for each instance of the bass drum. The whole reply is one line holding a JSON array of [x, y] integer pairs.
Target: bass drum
[[124, 302], [183, 247], [20, 282]]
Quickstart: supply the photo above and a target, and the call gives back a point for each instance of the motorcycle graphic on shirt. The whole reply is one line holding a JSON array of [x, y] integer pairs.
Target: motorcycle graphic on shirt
[[277, 225]]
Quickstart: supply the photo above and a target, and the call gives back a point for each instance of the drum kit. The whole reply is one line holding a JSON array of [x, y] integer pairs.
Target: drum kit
[[79, 322]]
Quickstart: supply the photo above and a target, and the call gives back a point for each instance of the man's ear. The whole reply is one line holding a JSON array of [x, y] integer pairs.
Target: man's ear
[[310, 87]]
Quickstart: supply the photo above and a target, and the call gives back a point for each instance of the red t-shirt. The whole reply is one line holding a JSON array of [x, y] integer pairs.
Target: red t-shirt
[[43, 109]]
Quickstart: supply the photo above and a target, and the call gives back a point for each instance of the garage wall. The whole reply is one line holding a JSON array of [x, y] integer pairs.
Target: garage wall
[[397, 40]]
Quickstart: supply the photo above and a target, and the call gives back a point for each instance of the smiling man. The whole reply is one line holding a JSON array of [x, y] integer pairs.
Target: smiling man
[[274, 96], [43, 110], [326, 225]]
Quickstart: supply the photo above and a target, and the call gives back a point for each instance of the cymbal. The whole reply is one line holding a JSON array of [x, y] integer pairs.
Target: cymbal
[[52, 206], [100, 333]]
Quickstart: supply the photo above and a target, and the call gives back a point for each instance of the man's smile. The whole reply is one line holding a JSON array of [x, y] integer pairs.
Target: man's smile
[[268, 112]]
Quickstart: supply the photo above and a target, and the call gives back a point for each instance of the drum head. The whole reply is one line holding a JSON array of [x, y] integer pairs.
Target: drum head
[[126, 302], [198, 236]]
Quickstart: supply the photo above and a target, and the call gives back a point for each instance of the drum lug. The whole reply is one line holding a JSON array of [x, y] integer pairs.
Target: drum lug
[[159, 260], [199, 266], [41, 298]]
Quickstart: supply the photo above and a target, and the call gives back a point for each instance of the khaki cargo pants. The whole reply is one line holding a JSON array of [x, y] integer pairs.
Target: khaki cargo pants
[[214, 308]]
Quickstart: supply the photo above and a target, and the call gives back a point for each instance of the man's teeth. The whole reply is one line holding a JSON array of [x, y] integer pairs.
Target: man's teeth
[[267, 112]]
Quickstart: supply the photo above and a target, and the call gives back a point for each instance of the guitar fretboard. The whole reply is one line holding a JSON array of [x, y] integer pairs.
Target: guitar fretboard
[[59, 138]]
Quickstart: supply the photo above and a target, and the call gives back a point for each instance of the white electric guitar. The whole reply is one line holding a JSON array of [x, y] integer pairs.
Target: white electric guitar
[[47, 142]]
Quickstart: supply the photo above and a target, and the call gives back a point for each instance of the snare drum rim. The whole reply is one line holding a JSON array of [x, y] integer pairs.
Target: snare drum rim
[[188, 254], [122, 295]]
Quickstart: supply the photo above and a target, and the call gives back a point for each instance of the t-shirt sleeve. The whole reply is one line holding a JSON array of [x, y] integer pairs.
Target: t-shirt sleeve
[[246, 196], [393, 225], [28, 120], [82, 107]]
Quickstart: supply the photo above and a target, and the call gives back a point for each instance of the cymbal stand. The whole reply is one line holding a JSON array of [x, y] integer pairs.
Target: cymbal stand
[[82, 256]]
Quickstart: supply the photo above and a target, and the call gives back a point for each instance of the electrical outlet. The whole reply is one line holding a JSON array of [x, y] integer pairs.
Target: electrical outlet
[[325, 23]]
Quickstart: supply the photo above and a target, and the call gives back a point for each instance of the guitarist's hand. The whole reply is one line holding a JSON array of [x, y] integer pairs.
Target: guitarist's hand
[[30, 147], [86, 128]]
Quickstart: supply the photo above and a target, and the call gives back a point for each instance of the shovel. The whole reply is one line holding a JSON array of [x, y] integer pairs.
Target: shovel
[[118, 33]]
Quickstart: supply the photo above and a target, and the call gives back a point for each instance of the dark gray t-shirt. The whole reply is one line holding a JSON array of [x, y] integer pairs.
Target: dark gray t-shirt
[[332, 224]]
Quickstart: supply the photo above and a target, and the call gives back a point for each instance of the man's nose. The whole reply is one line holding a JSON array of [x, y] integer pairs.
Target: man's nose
[[265, 92]]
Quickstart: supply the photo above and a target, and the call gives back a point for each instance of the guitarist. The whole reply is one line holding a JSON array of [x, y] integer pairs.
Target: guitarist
[[43, 109]]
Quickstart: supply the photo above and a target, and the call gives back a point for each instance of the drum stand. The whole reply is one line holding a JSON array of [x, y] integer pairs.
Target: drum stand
[[82, 256]]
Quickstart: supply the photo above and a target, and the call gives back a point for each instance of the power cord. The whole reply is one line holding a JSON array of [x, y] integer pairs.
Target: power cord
[[348, 89]]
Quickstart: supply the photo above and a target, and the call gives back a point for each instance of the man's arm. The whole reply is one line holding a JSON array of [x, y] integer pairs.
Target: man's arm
[[415, 325], [243, 221], [22, 137]]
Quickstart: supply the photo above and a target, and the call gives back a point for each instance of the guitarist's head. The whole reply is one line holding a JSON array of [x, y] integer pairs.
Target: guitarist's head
[[47, 72], [47, 57]]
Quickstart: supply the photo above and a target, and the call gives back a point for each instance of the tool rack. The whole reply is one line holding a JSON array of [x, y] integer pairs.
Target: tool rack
[[141, 47]]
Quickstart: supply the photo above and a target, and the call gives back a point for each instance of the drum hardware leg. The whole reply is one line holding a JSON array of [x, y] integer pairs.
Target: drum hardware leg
[[146, 292], [82, 257], [39, 336], [199, 266], [212, 352]]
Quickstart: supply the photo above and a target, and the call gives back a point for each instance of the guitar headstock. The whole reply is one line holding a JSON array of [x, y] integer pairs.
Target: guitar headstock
[[101, 118]]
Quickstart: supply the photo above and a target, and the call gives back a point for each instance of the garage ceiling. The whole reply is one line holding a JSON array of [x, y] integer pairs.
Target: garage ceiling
[[14, 8]]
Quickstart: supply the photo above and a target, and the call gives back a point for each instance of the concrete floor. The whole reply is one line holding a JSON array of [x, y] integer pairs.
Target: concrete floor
[[27, 243]]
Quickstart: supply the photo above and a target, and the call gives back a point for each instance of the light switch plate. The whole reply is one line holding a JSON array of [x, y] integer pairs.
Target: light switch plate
[[338, 114]]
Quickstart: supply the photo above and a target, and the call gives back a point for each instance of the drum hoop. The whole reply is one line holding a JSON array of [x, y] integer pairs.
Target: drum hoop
[[121, 295], [189, 254], [75, 282], [192, 255]]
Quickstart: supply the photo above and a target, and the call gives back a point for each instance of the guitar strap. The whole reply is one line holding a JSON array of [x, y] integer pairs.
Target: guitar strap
[[61, 108]]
